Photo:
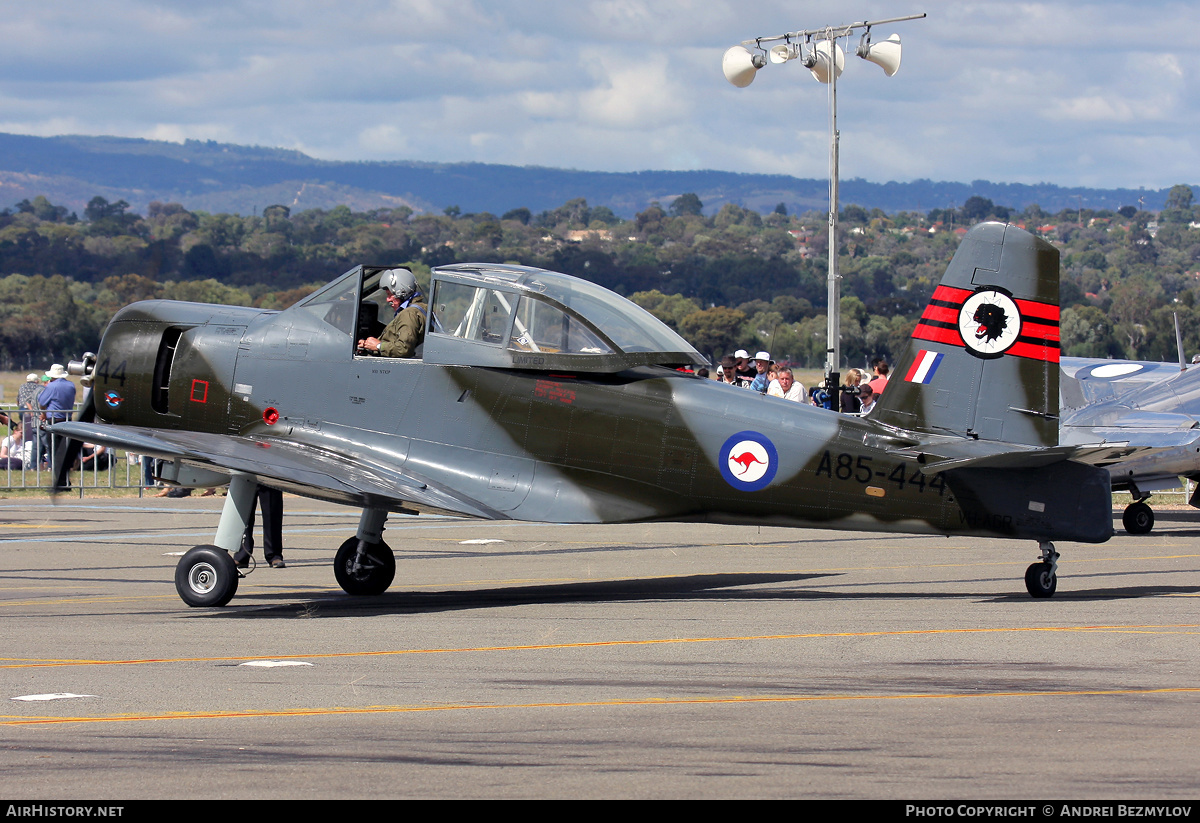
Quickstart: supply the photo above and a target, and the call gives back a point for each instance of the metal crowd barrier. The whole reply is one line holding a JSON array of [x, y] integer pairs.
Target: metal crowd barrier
[[122, 470]]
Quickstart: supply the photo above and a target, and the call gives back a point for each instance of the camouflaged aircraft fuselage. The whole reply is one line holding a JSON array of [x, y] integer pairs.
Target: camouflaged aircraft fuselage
[[537, 396]]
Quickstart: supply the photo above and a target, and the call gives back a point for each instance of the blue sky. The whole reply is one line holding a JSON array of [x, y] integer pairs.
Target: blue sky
[[1074, 93]]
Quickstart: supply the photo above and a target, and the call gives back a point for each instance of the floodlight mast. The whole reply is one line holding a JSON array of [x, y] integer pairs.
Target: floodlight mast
[[740, 66]]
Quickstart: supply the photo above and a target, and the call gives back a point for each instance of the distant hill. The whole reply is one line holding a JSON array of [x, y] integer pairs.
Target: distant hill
[[223, 177]]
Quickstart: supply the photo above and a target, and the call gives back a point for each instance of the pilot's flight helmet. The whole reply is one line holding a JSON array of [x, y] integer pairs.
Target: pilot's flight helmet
[[399, 282]]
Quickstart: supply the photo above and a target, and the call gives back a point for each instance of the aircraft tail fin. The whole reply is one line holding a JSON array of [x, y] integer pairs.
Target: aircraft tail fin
[[983, 359]]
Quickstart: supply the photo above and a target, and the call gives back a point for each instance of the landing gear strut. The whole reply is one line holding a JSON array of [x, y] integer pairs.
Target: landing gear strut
[[207, 575], [1041, 579], [364, 564], [367, 572], [1138, 517]]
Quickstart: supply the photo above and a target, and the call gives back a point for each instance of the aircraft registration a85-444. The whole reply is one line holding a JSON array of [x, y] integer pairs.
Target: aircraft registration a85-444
[[542, 397]]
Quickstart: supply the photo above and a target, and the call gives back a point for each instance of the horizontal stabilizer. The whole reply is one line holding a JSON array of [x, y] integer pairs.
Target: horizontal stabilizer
[[942, 455], [1123, 419]]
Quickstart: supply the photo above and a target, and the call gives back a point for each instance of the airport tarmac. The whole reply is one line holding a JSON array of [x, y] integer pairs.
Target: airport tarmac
[[513, 660]]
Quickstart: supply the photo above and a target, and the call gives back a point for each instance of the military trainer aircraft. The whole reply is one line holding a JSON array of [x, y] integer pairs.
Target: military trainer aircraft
[[538, 396]]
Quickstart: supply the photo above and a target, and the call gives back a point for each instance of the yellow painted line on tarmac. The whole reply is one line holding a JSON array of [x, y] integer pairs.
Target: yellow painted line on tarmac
[[42, 587], [72, 599], [1124, 559], [1170, 629], [10, 720]]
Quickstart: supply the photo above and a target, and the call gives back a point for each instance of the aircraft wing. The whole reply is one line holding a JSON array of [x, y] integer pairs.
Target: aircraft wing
[[1129, 372], [1088, 382], [319, 472]]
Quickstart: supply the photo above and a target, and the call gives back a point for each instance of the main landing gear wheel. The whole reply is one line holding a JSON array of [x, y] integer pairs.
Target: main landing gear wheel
[[1041, 580], [206, 576], [370, 575], [1138, 518]]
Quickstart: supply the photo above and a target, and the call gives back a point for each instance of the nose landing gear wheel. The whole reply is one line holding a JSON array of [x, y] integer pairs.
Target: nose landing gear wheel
[[371, 574], [1138, 518], [206, 576]]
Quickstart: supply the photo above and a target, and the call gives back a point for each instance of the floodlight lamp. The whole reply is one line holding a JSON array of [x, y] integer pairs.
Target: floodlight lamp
[[740, 65]]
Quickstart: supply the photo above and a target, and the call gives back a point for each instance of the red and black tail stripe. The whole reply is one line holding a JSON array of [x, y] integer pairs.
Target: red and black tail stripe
[[1038, 340]]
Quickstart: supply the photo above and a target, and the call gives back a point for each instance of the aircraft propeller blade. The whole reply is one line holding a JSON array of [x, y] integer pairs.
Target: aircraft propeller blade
[[65, 457]]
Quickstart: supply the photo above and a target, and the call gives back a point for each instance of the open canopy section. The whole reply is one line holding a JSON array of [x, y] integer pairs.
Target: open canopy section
[[527, 318]]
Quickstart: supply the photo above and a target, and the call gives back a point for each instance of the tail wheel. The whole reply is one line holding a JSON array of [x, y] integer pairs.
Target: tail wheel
[[1040, 580], [1138, 518], [370, 574], [206, 576]]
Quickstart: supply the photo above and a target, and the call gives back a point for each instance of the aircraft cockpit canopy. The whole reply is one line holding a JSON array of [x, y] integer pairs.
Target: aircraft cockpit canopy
[[501, 317], [519, 317]]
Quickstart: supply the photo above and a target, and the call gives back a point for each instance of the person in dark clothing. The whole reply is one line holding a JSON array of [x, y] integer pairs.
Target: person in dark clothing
[[271, 502], [850, 403]]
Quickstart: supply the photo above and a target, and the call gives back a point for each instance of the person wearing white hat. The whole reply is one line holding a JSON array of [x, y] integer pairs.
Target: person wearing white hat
[[56, 401], [27, 400], [745, 369], [762, 380]]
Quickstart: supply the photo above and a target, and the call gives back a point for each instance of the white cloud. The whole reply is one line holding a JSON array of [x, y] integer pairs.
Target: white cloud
[[1052, 90], [636, 95], [1097, 108]]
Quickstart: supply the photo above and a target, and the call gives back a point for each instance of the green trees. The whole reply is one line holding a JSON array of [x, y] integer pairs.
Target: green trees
[[41, 323], [1179, 205], [735, 279], [1179, 197], [1087, 332], [714, 332], [687, 204]]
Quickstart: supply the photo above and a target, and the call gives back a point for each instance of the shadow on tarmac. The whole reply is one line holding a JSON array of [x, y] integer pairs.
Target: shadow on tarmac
[[705, 587]]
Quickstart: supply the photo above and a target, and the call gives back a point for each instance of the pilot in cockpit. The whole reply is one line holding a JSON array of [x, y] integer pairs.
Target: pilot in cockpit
[[407, 329]]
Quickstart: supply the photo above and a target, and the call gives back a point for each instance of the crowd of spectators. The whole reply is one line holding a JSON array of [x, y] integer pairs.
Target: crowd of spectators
[[41, 402], [857, 395], [28, 445]]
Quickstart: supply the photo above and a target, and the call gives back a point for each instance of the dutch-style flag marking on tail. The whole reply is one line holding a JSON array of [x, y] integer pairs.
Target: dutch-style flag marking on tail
[[924, 366]]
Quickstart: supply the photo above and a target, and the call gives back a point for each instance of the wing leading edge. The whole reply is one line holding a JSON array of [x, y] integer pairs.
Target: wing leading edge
[[322, 473]]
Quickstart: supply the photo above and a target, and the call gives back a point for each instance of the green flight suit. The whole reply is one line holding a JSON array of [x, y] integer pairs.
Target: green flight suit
[[404, 333]]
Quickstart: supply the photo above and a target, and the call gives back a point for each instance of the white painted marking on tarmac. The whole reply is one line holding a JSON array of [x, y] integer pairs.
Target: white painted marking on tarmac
[[271, 664], [55, 696], [479, 541]]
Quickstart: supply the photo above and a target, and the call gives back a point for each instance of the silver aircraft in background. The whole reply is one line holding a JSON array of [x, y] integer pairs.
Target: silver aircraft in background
[[1120, 401]]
